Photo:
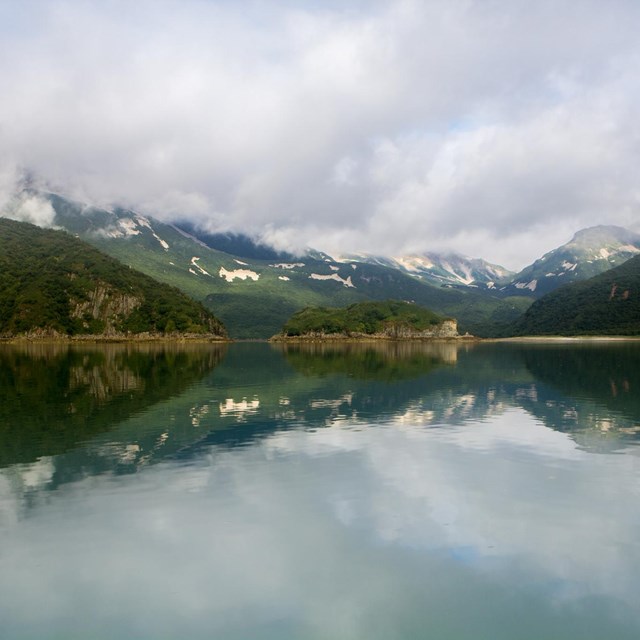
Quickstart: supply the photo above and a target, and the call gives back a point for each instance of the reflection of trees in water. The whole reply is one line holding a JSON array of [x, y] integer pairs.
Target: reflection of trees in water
[[54, 396], [598, 385], [52, 401], [385, 361]]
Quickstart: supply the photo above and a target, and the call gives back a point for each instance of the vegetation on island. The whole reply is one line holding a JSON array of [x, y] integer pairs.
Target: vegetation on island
[[366, 318], [607, 304], [51, 282]]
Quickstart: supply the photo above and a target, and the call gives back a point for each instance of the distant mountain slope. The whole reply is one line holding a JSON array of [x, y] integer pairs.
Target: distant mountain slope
[[607, 304], [590, 252], [51, 281], [452, 270], [254, 298]]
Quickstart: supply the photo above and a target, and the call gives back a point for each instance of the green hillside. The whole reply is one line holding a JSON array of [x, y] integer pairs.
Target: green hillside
[[54, 282], [607, 304], [361, 318]]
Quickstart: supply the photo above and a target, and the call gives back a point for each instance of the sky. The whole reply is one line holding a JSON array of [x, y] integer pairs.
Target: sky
[[495, 129]]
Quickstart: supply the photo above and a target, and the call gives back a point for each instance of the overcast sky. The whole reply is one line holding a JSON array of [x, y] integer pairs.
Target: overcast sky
[[494, 128]]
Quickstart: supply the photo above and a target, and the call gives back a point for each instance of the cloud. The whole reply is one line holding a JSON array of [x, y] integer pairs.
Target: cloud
[[493, 128], [21, 205]]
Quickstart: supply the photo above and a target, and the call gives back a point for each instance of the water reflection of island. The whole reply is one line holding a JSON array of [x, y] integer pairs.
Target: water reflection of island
[[384, 361], [54, 396]]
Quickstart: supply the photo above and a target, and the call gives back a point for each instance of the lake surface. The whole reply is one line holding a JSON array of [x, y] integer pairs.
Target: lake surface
[[250, 491]]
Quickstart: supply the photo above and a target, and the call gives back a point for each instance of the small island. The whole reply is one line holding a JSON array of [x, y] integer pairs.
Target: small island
[[384, 320]]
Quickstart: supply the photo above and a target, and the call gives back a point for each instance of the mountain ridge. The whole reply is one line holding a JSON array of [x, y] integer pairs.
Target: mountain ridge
[[255, 296]]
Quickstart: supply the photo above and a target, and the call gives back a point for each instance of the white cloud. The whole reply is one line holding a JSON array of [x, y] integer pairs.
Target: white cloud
[[493, 128], [30, 208]]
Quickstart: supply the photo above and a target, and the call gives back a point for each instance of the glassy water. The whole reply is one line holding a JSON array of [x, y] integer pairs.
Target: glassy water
[[355, 492]]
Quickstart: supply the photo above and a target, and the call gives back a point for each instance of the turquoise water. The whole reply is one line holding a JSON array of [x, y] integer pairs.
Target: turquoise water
[[252, 491]]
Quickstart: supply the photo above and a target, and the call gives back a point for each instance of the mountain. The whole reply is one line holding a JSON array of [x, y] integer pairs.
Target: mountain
[[449, 270], [54, 283], [254, 297], [607, 304], [590, 252]]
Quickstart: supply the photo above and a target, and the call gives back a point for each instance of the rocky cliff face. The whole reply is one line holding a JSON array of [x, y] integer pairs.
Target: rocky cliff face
[[106, 304], [447, 329]]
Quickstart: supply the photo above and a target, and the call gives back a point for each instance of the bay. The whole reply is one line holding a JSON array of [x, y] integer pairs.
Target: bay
[[320, 491]]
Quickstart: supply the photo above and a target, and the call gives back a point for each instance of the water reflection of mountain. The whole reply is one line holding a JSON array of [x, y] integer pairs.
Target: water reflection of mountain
[[590, 389], [53, 397], [587, 390], [327, 383], [117, 409]]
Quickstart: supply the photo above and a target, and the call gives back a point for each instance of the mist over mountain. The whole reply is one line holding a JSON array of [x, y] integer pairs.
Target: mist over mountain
[[236, 244], [254, 297], [254, 288]]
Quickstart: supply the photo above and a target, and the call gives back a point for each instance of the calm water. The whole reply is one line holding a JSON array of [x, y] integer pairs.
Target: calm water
[[250, 492]]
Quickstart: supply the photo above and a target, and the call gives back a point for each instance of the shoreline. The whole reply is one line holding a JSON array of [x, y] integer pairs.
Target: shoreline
[[341, 338], [560, 339], [116, 339], [464, 339]]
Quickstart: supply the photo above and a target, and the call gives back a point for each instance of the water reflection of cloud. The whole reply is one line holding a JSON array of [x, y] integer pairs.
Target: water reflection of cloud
[[316, 534]]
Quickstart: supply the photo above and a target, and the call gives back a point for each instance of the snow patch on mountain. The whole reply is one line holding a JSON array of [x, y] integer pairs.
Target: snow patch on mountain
[[284, 278], [143, 222], [333, 276], [241, 274], [527, 285], [287, 265], [413, 263], [123, 228], [194, 262]]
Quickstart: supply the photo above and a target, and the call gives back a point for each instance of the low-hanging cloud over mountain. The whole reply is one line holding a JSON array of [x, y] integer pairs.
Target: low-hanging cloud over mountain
[[492, 128]]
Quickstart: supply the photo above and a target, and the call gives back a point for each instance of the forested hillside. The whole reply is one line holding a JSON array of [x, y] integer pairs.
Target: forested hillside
[[53, 282], [607, 304]]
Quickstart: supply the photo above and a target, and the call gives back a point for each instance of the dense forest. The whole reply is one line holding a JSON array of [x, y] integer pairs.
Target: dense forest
[[362, 317], [53, 282], [607, 304]]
